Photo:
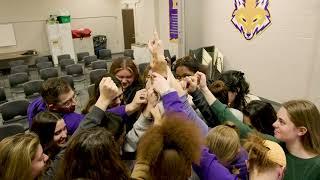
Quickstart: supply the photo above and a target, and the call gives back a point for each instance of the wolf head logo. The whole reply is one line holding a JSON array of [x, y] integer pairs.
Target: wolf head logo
[[251, 17]]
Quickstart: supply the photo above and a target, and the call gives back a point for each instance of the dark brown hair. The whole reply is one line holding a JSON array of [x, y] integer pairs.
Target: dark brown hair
[[262, 115], [53, 88], [93, 154], [220, 91], [171, 148], [44, 125], [236, 82], [190, 63]]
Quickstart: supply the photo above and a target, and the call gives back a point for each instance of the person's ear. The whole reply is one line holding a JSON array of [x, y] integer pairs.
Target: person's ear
[[280, 171], [51, 107], [302, 130]]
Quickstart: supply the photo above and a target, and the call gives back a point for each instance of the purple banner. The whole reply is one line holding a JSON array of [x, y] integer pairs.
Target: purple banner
[[173, 18]]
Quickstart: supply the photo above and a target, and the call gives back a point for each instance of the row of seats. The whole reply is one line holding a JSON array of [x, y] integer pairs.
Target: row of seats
[[31, 88], [15, 112], [19, 71]]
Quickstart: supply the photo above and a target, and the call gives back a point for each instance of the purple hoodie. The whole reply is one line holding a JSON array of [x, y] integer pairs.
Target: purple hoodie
[[73, 119], [210, 167]]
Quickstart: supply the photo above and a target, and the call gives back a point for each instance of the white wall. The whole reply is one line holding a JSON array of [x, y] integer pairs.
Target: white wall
[[144, 18], [28, 19], [280, 62], [152, 15], [314, 86]]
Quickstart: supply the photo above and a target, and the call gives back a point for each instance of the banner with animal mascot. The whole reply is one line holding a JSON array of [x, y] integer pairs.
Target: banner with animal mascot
[[251, 17]]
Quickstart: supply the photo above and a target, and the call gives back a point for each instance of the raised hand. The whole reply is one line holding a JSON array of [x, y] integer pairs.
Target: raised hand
[[157, 116], [153, 99], [139, 99], [108, 91], [202, 83], [191, 83], [202, 79], [155, 45], [160, 84], [158, 63]]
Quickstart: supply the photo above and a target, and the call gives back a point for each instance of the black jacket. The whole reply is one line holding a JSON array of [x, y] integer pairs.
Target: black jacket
[[201, 103]]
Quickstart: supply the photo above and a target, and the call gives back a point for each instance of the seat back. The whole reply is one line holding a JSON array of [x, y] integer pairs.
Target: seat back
[[74, 69], [89, 59], [128, 53], [48, 73], [18, 78], [42, 59], [10, 130], [32, 88], [66, 62], [16, 63], [91, 90], [100, 64], [3, 97], [81, 55], [105, 54], [12, 109], [63, 56], [43, 65], [19, 69], [96, 74]]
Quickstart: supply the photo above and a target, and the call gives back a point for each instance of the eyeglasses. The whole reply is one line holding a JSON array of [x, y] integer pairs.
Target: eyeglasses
[[183, 76], [69, 101]]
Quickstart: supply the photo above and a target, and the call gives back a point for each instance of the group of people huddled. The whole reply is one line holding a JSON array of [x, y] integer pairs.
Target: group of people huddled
[[164, 124]]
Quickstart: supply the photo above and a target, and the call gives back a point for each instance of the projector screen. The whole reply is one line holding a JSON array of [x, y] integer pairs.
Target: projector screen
[[7, 37]]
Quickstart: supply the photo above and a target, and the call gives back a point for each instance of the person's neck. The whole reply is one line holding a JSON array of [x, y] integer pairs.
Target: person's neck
[[296, 148], [254, 175]]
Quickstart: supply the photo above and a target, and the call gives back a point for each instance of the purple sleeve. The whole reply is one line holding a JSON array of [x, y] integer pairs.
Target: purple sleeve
[[120, 111], [172, 103], [192, 115], [72, 121], [30, 115], [210, 168], [34, 108]]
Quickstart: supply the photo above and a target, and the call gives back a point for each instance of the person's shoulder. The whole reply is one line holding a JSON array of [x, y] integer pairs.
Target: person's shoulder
[[314, 161], [37, 105], [73, 116], [38, 100]]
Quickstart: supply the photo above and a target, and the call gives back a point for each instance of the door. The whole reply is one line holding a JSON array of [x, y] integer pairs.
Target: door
[[128, 28]]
